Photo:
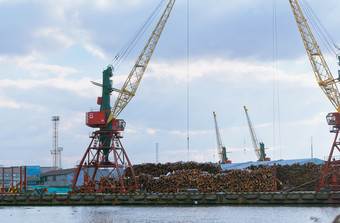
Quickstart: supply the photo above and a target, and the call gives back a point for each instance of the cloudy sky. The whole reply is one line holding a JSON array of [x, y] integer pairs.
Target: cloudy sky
[[51, 50]]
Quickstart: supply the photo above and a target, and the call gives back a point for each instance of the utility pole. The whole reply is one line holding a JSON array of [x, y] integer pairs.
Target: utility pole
[[311, 147], [56, 151], [157, 153], [59, 156]]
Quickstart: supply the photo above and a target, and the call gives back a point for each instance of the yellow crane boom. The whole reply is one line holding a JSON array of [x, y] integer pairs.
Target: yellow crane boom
[[132, 82], [221, 150], [258, 147], [322, 73], [328, 85]]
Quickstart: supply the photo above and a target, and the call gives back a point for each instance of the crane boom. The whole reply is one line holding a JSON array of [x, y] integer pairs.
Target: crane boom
[[221, 149], [322, 73], [258, 147], [132, 82], [328, 85]]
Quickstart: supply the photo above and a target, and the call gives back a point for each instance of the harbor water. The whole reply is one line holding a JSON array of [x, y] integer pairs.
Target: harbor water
[[165, 214]]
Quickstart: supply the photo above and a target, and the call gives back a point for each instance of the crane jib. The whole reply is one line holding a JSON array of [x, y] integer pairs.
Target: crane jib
[[137, 72], [321, 70]]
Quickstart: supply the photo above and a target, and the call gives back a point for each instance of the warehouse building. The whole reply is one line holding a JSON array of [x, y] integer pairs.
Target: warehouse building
[[64, 177], [61, 178]]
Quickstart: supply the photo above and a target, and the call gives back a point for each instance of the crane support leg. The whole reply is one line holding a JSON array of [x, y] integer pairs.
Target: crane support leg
[[331, 175], [105, 166]]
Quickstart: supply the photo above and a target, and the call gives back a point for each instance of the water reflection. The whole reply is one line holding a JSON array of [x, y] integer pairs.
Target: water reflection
[[166, 214]]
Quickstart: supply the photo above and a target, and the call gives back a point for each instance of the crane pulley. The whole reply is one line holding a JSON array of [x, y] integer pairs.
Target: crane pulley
[[258, 146]]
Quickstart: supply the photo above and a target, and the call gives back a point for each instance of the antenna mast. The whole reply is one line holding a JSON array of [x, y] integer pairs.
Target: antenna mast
[[55, 150]]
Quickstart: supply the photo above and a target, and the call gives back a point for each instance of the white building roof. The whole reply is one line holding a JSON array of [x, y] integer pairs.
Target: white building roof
[[270, 163]]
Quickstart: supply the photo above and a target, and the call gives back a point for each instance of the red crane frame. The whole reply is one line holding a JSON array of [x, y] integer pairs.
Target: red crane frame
[[115, 179]]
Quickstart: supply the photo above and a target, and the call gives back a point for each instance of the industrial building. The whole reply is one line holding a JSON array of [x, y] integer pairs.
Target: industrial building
[[60, 178], [64, 177], [10, 176]]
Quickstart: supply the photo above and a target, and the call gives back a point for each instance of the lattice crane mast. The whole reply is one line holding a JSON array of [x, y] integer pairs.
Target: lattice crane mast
[[105, 158], [221, 150], [328, 84], [258, 146]]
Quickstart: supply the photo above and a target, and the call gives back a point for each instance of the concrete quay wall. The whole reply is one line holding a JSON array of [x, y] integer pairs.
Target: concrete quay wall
[[270, 198]]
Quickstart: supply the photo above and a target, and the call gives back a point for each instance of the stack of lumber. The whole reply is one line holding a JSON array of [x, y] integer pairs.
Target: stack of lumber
[[159, 169], [298, 177], [172, 177], [231, 181]]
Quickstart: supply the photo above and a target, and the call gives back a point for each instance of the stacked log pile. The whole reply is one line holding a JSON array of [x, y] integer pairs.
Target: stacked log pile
[[298, 177], [259, 179], [171, 177], [159, 169]]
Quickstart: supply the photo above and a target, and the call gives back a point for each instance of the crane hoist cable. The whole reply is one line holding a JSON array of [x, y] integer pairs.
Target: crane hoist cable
[[321, 70], [132, 82], [319, 28], [328, 84], [131, 43]]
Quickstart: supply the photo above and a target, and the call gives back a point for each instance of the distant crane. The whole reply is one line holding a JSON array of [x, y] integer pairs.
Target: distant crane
[[221, 150], [258, 146], [105, 159], [328, 84]]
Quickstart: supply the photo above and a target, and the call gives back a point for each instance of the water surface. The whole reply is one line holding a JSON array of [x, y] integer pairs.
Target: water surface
[[167, 214]]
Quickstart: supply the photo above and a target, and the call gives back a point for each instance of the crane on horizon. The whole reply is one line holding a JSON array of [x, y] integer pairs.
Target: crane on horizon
[[221, 150], [258, 146]]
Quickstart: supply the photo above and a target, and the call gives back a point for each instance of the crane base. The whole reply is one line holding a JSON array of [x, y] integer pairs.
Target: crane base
[[331, 174], [105, 166]]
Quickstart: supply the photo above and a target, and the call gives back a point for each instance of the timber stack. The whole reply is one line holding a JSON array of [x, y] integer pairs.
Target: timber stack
[[298, 177], [233, 180], [173, 177]]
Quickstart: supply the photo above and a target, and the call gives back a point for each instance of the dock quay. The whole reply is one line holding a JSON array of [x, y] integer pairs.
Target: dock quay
[[219, 198]]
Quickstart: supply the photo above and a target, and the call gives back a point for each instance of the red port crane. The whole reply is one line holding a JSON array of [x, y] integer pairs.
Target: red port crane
[[328, 84], [105, 164]]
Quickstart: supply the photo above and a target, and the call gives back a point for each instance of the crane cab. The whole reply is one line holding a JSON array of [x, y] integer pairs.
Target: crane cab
[[333, 118], [95, 119], [118, 124]]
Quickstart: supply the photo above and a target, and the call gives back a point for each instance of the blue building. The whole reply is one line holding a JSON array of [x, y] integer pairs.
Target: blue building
[[61, 178]]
